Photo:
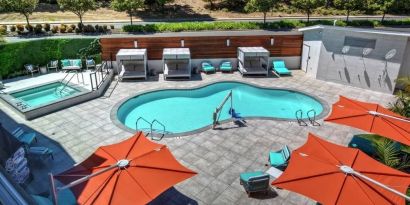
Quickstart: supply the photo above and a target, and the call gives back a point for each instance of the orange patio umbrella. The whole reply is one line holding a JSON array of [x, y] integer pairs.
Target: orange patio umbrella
[[372, 118], [134, 171], [333, 174]]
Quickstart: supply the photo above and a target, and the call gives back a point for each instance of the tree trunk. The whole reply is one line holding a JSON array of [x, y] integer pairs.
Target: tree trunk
[[348, 14], [81, 22], [28, 23], [384, 14], [212, 4], [264, 18], [308, 15], [131, 18]]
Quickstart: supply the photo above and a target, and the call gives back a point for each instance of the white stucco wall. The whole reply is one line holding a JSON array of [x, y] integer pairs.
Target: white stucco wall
[[405, 67], [369, 72]]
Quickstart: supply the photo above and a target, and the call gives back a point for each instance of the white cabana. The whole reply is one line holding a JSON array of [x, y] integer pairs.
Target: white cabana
[[253, 61], [132, 63], [176, 62]]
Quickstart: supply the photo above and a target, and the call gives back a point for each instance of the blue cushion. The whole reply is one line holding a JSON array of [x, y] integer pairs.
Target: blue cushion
[[77, 63], [279, 64], [90, 62], [247, 175], [276, 159], [282, 71], [285, 153]]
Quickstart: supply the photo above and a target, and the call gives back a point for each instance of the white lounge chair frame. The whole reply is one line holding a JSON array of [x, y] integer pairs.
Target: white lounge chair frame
[[176, 63], [253, 61], [132, 63]]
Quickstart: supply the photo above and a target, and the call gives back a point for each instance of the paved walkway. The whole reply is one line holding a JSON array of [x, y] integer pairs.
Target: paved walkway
[[217, 155]]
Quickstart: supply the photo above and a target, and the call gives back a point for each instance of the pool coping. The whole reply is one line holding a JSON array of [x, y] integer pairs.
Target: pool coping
[[119, 124]]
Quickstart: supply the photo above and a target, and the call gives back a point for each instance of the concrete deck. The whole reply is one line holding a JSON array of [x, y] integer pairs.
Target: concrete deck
[[217, 155]]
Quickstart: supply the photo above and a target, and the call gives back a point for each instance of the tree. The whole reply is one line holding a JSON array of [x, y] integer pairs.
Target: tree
[[388, 153], [78, 7], [348, 5], [129, 6], [24, 7], [263, 6], [384, 6], [157, 4], [211, 3], [307, 5]]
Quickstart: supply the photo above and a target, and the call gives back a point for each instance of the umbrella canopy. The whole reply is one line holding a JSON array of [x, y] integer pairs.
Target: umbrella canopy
[[372, 118], [134, 171], [333, 174]]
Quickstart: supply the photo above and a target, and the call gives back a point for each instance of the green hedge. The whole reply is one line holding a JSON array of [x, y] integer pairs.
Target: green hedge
[[13, 56], [284, 24]]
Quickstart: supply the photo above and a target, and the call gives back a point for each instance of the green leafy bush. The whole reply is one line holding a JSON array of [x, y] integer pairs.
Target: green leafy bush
[[38, 28], [14, 55], [13, 28], [47, 27], [54, 29], [284, 24]]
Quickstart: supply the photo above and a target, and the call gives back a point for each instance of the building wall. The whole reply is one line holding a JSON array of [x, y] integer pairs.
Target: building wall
[[310, 52], [371, 72], [405, 67]]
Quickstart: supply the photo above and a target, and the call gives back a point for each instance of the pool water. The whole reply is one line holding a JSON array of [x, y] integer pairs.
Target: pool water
[[187, 110], [45, 94]]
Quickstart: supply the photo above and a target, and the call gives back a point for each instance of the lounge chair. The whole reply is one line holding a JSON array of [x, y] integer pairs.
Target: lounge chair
[[279, 159], [255, 182], [69, 65], [279, 68], [52, 65], [40, 152], [30, 68], [207, 67], [24, 137], [226, 66], [90, 63]]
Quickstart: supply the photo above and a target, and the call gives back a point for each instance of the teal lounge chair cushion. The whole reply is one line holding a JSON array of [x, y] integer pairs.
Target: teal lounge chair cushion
[[247, 175], [280, 68], [65, 63], [41, 200], [77, 63], [207, 67], [27, 138], [226, 66], [279, 158]]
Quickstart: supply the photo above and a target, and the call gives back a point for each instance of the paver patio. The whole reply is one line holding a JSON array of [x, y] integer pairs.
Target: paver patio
[[217, 155]]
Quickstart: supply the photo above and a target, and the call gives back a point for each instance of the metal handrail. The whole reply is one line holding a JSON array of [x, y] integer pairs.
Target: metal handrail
[[143, 119], [299, 118], [66, 84], [163, 130], [103, 75], [312, 119]]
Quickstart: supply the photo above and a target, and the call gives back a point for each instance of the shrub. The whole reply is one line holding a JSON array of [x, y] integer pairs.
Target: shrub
[[13, 28], [38, 28], [89, 29], [3, 30], [77, 30], [72, 26], [105, 28], [112, 27], [54, 29], [20, 27], [47, 27], [63, 28], [13, 56], [29, 27], [69, 30]]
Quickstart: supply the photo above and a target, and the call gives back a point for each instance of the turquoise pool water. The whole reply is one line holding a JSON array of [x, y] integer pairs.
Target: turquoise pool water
[[187, 110], [34, 97]]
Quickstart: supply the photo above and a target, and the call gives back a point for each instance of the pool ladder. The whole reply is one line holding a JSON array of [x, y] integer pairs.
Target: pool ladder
[[60, 91], [311, 118], [152, 132]]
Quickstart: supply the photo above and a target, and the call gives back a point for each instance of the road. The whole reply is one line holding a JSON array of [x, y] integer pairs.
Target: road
[[120, 23]]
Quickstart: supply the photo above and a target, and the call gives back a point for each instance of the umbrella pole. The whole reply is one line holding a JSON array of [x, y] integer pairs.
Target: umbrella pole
[[389, 116], [86, 178], [349, 170]]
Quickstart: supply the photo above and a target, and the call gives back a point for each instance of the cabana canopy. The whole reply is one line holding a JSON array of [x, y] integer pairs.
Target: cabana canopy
[[176, 62], [132, 63], [253, 60]]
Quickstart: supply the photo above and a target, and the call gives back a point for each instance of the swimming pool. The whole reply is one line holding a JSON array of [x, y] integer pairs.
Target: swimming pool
[[186, 110], [45, 94]]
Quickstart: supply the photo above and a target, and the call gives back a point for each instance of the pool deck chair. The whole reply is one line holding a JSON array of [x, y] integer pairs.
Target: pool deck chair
[[279, 159], [40, 152], [176, 63], [132, 64], [52, 65], [90, 64], [226, 66], [279, 68], [253, 61], [256, 181], [24, 137], [30, 68], [207, 67]]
